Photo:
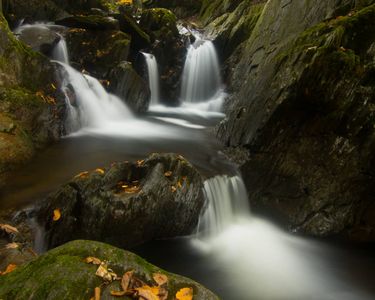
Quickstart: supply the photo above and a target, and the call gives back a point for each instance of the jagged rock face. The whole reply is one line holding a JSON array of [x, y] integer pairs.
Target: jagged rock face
[[303, 108], [128, 204], [31, 109], [62, 273]]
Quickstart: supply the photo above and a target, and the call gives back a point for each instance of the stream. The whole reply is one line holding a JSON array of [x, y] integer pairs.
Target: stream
[[236, 254]]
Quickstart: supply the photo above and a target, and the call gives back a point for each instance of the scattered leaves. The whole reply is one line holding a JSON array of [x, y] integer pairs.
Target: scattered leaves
[[8, 228], [184, 294], [93, 260], [168, 174], [56, 214], [148, 293], [10, 268], [160, 279], [12, 246]]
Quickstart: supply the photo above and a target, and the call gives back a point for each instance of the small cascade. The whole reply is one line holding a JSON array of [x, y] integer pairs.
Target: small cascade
[[201, 80], [60, 52], [226, 199], [89, 104], [153, 77]]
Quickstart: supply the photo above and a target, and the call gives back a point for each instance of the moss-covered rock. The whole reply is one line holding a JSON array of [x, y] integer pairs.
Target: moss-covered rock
[[93, 22], [127, 204], [181, 8], [62, 273]]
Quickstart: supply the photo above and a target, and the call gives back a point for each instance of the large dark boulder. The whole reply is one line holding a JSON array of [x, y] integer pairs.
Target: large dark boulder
[[302, 108], [128, 85], [63, 273], [181, 8], [127, 204], [93, 22]]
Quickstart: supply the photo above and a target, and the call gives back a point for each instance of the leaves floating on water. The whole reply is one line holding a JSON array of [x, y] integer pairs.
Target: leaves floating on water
[[10, 268], [93, 260], [185, 294], [160, 279], [56, 215], [8, 228]]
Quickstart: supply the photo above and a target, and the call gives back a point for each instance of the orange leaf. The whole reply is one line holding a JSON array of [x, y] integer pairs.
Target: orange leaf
[[56, 214], [118, 293], [93, 260], [125, 280], [160, 279], [8, 229], [148, 293], [140, 162], [12, 246], [82, 175], [97, 293], [185, 294], [100, 171], [10, 268]]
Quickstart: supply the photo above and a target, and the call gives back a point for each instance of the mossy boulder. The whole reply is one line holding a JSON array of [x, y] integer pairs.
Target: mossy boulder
[[93, 22], [28, 99], [160, 22], [181, 8], [128, 85], [126, 204], [62, 273]]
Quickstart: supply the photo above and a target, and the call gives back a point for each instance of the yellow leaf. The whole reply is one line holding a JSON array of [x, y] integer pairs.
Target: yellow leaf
[[105, 273], [100, 171], [185, 294], [82, 175], [118, 293], [140, 162], [168, 174], [53, 86], [10, 268], [12, 246], [56, 214], [160, 279], [8, 228], [148, 293], [173, 189], [93, 260]]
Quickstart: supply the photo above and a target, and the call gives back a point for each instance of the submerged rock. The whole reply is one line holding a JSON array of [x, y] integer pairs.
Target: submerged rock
[[62, 273], [128, 204]]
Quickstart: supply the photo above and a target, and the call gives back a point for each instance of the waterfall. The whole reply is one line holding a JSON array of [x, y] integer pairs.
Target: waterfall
[[89, 103], [153, 77], [60, 52], [226, 199], [201, 75]]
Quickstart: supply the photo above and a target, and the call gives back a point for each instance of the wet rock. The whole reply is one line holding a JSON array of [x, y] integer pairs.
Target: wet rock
[[93, 22], [128, 85], [181, 8], [39, 38], [127, 204], [168, 48], [302, 107], [62, 273]]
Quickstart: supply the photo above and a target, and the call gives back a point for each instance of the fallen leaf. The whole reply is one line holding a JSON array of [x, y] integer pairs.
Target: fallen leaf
[[118, 293], [97, 293], [82, 175], [148, 293], [56, 214], [100, 171], [125, 280], [93, 260], [105, 273], [140, 162], [179, 184], [53, 86], [160, 279], [163, 294], [8, 228], [12, 246], [168, 174], [173, 189], [184, 294], [10, 268]]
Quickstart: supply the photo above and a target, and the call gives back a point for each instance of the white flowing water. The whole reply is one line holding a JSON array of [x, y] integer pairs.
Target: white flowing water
[[60, 52], [89, 104], [201, 79], [153, 77]]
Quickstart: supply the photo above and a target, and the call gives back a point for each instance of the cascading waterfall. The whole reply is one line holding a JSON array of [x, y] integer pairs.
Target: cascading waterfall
[[60, 52], [201, 79], [221, 210], [153, 77], [90, 101]]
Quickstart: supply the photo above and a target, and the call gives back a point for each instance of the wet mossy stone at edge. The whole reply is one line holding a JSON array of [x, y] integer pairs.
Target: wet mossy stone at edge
[[62, 273]]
